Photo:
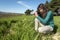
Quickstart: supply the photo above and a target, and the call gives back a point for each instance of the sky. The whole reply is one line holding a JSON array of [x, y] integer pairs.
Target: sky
[[19, 6]]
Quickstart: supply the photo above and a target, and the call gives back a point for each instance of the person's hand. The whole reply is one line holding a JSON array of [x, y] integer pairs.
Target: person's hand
[[36, 14]]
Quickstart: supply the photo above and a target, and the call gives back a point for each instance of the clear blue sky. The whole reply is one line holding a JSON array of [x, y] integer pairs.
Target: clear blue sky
[[19, 6]]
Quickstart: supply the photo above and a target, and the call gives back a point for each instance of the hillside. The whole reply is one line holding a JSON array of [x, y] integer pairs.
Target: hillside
[[8, 14], [22, 28]]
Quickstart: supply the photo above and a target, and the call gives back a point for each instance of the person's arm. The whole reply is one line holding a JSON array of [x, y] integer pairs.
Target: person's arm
[[44, 21]]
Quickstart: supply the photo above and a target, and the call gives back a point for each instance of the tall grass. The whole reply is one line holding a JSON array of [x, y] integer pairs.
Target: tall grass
[[22, 28]]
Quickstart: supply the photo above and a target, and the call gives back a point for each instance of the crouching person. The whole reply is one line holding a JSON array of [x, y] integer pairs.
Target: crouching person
[[44, 18]]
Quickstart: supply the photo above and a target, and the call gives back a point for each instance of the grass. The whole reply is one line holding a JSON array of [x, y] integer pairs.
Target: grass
[[22, 28]]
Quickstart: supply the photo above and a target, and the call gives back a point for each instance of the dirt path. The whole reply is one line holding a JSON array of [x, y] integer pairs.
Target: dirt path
[[56, 36]]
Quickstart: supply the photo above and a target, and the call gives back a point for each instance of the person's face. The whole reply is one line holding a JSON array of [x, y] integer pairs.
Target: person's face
[[41, 9]]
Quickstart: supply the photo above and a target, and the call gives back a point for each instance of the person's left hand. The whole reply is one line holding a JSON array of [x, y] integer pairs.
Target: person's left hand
[[36, 14]]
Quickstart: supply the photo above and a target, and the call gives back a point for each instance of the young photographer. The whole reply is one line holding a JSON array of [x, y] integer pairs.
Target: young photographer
[[44, 18]]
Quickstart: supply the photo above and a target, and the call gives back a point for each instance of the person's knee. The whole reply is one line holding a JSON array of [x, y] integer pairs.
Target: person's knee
[[36, 19]]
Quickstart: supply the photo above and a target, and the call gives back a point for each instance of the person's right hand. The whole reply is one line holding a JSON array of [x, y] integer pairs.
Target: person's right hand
[[36, 14]]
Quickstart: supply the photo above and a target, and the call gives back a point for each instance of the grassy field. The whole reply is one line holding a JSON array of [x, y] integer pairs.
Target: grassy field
[[22, 28]]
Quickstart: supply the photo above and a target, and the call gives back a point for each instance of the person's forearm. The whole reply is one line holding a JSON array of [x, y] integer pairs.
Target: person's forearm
[[45, 20], [41, 20]]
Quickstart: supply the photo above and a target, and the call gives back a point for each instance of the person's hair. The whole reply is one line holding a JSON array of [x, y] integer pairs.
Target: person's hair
[[44, 8]]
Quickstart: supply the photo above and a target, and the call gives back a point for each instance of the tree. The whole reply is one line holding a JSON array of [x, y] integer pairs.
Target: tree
[[53, 5], [28, 11], [47, 4]]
